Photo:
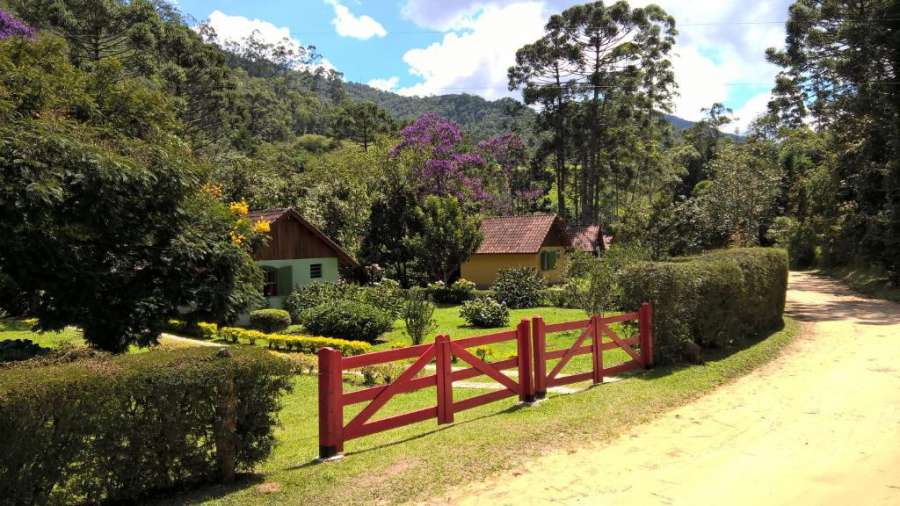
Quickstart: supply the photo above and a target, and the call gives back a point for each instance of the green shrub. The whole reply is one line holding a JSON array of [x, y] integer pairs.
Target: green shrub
[[798, 238], [485, 312], [418, 316], [385, 295], [293, 330], [316, 294], [460, 291], [202, 330], [712, 299], [557, 297], [347, 320], [519, 287], [116, 429], [270, 320]]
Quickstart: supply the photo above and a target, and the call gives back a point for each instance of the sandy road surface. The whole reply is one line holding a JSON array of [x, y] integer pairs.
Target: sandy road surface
[[819, 425]]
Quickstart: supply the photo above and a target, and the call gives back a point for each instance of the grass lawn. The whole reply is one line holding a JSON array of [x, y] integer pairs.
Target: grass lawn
[[421, 460], [16, 329]]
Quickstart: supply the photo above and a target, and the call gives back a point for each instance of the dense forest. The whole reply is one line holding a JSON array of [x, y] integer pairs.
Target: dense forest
[[131, 145]]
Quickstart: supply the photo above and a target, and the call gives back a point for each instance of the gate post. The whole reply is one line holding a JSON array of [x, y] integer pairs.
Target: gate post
[[539, 348], [331, 406], [596, 350], [646, 324], [523, 339], [444, 375]]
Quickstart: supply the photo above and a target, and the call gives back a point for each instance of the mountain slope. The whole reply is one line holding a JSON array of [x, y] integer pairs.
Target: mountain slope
[[476, 115]]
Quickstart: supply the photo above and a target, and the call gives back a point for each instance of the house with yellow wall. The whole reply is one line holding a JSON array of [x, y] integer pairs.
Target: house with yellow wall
[[539, 241]]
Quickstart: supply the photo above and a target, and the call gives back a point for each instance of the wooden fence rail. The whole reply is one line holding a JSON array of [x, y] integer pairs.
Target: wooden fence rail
[[530, 361]]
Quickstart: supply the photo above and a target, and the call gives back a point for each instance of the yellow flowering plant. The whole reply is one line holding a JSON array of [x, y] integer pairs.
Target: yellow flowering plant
[[239, 208]]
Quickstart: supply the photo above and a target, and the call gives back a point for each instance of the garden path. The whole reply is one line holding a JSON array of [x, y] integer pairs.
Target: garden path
[[818, 425]]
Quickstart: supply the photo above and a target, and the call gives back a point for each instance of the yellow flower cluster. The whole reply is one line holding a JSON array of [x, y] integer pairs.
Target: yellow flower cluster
[[262, 227], [236, 238], [239, 208], [213, 190]]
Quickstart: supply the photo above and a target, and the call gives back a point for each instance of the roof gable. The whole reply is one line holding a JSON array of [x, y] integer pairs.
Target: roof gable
[[519, 234], [277, 214]]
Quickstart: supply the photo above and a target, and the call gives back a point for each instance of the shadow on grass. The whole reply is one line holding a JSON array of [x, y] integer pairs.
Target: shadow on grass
[[204, 492], [437, 430], [709, 355]]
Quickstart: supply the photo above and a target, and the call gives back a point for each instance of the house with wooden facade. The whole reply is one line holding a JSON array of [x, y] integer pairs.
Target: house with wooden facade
[[297, 254], [539, 241]]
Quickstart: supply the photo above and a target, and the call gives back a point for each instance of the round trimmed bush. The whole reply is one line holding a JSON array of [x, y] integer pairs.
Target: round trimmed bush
[[347, 320], [270, 320], [520, 287], [485, 312]]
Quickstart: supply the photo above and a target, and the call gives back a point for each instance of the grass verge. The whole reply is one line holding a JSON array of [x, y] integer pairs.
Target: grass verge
[[422, 460], [867, 281], [17, 329]]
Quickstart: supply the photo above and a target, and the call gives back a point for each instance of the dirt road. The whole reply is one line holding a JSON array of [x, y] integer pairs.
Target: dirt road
[[818, 426]]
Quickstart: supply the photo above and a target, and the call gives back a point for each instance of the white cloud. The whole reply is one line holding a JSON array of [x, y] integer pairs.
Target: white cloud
[[235, 28], [756, 106], [446, 15], [359, 27], [719, 56], [476, 60], [389, 84]]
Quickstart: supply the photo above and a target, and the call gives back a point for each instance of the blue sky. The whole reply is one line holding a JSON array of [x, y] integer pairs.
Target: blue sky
[[424, 47]]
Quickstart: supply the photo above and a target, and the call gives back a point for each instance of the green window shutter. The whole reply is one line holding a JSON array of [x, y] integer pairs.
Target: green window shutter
[[285, 280]]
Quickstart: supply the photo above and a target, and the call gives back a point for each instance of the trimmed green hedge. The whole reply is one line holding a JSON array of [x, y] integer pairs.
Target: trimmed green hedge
[[270, 320], [711, 299], [354, 321], [116, 429]]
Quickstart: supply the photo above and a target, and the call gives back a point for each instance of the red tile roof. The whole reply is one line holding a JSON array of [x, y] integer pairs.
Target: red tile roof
[[515, 234], [586, 238]]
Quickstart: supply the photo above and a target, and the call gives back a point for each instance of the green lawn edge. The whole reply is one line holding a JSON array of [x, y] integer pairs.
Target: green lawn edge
[[865, 281], [423, 460]]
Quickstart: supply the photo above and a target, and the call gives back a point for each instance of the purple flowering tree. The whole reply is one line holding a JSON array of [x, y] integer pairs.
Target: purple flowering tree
[[512, 189], [11, 26], [433, 147]]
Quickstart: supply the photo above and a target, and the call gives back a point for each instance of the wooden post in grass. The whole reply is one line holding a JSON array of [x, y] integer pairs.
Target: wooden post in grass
[[523, 340], [596, 350], [646, 339], [538, 349], [331, 408], [444, 375]]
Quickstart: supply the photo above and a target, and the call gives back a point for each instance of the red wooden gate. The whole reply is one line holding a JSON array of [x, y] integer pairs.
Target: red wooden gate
[[594, 328], [332, 400], [530, 360]]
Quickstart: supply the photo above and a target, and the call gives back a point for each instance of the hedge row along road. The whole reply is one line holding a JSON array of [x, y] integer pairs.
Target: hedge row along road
[[819, 425]]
